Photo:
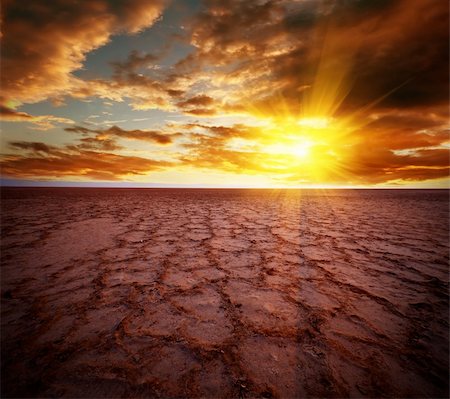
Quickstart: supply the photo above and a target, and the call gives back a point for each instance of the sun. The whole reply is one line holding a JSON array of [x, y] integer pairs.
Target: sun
[[312, 138], [297, 149], [308, 148], [301, 150], [296, 139]]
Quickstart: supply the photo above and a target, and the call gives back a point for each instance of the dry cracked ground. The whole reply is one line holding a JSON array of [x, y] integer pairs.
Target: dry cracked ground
[[224, 293]]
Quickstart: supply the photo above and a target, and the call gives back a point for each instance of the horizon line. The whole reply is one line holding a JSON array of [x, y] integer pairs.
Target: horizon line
[[220, 188], [11, 183]]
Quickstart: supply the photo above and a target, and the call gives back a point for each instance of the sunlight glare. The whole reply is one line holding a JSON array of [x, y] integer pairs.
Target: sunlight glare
[[315, 123]]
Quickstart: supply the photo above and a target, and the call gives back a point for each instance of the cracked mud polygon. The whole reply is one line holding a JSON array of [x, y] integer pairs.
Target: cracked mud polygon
[[224, 293]]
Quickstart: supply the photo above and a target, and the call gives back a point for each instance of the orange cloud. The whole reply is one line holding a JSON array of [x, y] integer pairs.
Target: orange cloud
[[364, 156], [41, 122], [275, 47], [54, 38], [259, 59], [52, 162], [371, 155]]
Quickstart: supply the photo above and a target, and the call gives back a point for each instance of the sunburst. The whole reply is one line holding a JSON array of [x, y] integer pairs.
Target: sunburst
[[315, 141]]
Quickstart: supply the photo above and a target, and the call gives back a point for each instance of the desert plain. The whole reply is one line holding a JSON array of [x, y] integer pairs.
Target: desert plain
[[168, 293]]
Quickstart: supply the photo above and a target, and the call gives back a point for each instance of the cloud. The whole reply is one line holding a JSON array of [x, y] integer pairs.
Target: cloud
[[94, 143], [395, 130], [201, 111], [200, 100], [277, 46], [52, 162], [40, 122], [33, 146], [9, 114], [54, 38], [200, 105], [372, 155], [267, 47], [151, 136], [127, 82], [142, 92], [382, 64], [381, 165], [134, 61], [143, 135]]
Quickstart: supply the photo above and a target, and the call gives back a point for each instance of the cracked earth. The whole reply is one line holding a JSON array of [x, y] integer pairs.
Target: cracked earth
[[224, 293]]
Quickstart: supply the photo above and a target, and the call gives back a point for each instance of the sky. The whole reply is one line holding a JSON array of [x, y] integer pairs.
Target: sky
[[236, 93]]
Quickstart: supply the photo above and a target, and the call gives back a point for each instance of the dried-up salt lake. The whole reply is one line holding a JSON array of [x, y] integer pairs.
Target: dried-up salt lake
[[224, 293]]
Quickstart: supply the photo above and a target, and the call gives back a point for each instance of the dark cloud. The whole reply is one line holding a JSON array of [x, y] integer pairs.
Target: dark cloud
[[81, 129], [278, 46], [383, 64], [32, 146], [201, 111], [115, 131], [10, 114], [398, 51], [94, 143], [409, 121], [175, 93], [134, 61], [201, 100], [143, 135]]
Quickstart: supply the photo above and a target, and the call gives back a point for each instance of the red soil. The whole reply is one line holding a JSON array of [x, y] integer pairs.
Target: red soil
[[224, 293]]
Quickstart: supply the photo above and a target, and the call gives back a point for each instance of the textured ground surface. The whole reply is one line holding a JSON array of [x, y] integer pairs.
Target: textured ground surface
[[218, 293]]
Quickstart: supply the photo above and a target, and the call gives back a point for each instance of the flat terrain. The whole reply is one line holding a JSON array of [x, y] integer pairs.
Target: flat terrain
[[224, 293]]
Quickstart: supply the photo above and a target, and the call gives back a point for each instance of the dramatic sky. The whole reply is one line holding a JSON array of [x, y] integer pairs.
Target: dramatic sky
[[257, 93]]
